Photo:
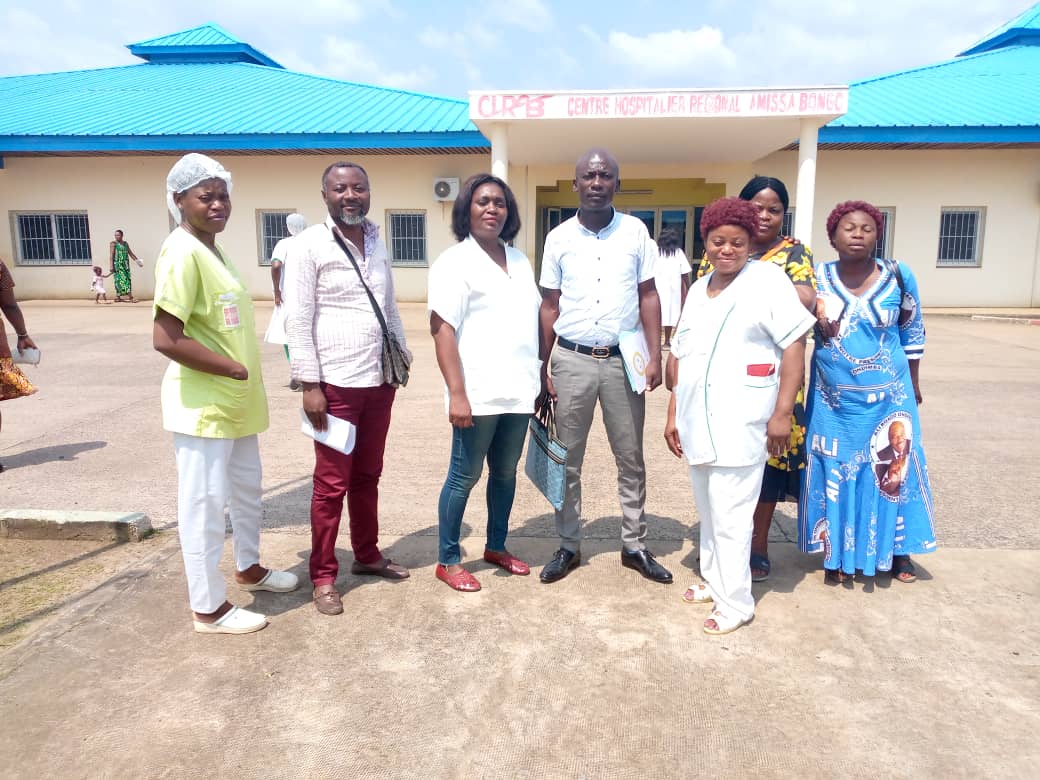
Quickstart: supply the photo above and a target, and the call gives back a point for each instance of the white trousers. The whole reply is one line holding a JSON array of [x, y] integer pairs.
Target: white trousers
[[212, 474], [726, 499]]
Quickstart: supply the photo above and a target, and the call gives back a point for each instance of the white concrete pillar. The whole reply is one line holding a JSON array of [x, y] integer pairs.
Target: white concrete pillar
[[805, 193], [500, 151]]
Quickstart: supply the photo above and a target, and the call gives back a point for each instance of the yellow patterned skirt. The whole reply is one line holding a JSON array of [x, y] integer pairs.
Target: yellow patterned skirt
[[13, 383]]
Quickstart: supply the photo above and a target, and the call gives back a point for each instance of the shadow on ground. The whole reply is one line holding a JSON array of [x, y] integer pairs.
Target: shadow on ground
[[43, 455]]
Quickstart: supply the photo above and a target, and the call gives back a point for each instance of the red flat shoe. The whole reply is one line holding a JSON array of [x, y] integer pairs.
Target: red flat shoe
[[507, 561], [463, 581]]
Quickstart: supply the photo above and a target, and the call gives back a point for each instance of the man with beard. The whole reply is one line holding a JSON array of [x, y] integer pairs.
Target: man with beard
[[335, 345], [598, 282]]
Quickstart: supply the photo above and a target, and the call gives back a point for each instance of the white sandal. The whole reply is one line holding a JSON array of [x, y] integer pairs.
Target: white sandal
[[235, 621], [697, 594], [723, 624], [275, 581]]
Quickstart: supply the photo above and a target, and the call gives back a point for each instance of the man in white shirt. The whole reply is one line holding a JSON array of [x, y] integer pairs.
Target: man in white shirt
[[335, 346], [598, 282]]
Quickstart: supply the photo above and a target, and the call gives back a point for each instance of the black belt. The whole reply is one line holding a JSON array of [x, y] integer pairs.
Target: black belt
[[597, 352]]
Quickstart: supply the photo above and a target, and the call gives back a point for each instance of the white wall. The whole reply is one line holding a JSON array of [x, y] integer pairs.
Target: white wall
[[918, 183], [129, 193]]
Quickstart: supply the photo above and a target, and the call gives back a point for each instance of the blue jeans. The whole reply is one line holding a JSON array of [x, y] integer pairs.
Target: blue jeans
[[500, 439]]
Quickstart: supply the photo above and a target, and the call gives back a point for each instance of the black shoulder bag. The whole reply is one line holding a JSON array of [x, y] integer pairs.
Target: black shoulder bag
[[396, 362], [893, 267]]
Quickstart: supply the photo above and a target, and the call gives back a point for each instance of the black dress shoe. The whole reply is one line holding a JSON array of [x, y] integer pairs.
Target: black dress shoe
[[643, 561], [563, 561]]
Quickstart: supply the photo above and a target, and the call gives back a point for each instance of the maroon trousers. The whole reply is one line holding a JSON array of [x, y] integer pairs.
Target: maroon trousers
[[355, 476]]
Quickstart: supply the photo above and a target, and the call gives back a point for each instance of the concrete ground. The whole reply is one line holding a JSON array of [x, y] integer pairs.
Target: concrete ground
[[603, 674]]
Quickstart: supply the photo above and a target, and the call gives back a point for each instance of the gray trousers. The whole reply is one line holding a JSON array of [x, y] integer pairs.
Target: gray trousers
[[580, 381]]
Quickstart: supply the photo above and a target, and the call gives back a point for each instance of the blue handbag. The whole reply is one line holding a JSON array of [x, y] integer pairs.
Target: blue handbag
[[546, 464]]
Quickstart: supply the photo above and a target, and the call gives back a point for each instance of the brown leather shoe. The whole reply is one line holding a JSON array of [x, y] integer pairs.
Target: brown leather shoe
[[385, 568], [327, 600]]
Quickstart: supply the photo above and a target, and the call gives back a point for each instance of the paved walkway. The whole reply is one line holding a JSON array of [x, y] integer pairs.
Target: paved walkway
[[601, 675]]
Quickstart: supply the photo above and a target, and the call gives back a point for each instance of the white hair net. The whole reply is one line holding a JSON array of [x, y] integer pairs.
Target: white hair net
[[295, 223], [188, 171]]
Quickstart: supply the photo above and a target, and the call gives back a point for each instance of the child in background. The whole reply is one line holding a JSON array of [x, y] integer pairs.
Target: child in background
[[98, 285]]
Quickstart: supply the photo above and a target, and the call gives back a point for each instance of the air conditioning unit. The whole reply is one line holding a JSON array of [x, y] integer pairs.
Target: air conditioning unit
[[445, 189]]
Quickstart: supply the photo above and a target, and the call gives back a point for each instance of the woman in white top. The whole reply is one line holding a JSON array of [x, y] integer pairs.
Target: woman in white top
[[736, 364], [483, 306], [671, 277]]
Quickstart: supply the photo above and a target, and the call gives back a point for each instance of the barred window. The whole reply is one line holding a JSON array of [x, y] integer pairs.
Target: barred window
[[272, 229], [407, 232], [960, 236], [787, 226], [886, 229], [61, 238]]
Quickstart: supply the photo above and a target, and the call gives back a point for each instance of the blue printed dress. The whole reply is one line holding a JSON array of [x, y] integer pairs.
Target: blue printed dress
[[866, 495]]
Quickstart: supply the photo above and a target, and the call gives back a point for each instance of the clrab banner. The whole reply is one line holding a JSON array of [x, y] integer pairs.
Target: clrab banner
[[820, 101]]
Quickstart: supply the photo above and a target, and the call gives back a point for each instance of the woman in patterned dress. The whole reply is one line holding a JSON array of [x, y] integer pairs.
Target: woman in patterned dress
[[13, 383], [866, 502], [783, 472], [120, 254]]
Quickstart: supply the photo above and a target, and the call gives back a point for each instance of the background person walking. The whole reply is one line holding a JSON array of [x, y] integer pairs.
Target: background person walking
[[120, 254], [97, 286]]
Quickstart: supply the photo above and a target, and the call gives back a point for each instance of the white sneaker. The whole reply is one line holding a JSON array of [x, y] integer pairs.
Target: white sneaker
[[276, 582], [235, 621]]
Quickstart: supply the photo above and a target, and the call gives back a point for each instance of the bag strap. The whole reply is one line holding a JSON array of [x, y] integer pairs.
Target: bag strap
[[897, 272], [893, 267], [547, 415], [371, 298]]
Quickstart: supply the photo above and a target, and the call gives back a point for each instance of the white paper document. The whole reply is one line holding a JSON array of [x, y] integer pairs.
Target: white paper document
[[636, 355], [275, 333], [338, 434]]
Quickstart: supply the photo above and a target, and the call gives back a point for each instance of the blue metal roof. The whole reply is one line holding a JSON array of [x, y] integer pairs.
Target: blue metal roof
[[1024, 28], [205, 89], [991, 97], [205, 43], [172, 103], [208, 34]]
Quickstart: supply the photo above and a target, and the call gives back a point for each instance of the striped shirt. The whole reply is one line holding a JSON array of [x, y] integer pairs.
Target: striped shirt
[[333, 333]]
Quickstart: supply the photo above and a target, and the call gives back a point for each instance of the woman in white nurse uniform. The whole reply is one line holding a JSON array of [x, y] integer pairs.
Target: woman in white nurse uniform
[[737, 361]]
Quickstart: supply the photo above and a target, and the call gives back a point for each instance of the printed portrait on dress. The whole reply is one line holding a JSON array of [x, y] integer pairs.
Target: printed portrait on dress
[[890, 452]]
